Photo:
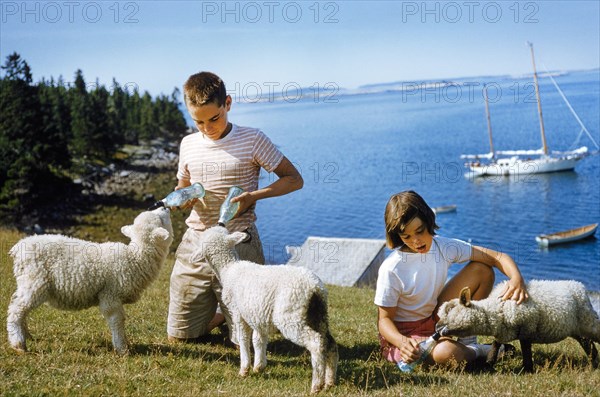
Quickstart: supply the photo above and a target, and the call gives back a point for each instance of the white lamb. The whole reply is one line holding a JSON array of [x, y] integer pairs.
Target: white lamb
[[554, 311], [74, 274], [261, 298]]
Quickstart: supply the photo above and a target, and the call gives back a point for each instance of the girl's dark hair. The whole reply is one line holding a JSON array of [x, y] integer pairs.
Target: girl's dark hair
[[400, 210], [204, 88]]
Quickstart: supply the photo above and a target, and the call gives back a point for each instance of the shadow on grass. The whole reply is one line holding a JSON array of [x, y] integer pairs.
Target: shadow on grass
[[359, 365], [212, 347]]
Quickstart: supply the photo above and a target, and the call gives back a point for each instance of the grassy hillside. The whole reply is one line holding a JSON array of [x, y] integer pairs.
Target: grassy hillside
[[71, 351]]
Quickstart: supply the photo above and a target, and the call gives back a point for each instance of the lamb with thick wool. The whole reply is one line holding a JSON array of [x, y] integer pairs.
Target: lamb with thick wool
[[261, 298], [554, 311], [74, 274]]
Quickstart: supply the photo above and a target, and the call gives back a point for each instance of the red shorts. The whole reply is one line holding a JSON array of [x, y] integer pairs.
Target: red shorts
[[419, 329]]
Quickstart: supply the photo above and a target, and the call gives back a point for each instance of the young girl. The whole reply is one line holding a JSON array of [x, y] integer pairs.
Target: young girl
[[410, 285]]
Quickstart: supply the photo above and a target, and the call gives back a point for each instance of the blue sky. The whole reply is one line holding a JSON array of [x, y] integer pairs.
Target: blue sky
[[156, 45]]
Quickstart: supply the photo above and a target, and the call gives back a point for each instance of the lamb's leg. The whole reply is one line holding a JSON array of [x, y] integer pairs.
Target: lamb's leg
[[301, 334], [589, 349], [331, 360], [492, 356], [23, 301], [317, 346], [244, 334], [260, 339], [527, 356], [114, 314]]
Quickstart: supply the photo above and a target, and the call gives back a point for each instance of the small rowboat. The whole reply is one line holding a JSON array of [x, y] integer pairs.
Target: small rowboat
[[566, 236], [444, 209]]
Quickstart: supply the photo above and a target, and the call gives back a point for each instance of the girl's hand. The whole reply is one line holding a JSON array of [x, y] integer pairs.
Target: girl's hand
[[409, 351], [515, 290], [246, 200]]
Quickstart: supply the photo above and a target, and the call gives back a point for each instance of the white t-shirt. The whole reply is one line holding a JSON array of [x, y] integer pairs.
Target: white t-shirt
[[412, 282], [236, 160]]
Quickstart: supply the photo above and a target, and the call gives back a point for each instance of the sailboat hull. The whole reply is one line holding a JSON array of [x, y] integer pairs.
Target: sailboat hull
[[520, 163], [516, 166]]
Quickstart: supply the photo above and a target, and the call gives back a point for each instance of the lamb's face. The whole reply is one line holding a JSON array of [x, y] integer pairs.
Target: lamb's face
[[164, 215], [458, 318], [215, 242], [151, 226], [212, 241]]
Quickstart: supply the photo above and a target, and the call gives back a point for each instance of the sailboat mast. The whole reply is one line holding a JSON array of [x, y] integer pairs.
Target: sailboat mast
[[489, 123], [539, 101]]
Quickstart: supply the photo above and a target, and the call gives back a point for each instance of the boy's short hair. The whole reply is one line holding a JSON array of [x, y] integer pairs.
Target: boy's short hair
[[400, 210], [204, 88]]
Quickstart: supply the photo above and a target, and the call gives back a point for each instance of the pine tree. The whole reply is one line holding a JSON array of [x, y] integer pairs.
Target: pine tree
[[54, 126], [101, 133], [132, 130], [29, 139], [19, 118], [80, 145], [117, 112], [148, 118]]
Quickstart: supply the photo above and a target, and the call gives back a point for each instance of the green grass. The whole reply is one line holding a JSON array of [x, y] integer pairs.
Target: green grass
[[71, 353]]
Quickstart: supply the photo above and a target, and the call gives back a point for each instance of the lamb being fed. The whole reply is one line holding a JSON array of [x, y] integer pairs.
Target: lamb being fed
[[74, 274], [261, 298], [554, 311]]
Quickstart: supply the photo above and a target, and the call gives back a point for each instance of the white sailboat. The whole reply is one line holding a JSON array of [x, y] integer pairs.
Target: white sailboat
[[523, 162]]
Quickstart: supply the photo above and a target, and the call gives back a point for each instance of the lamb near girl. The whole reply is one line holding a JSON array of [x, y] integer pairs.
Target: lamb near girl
[[554, 311], [74, 274], [261, 298]]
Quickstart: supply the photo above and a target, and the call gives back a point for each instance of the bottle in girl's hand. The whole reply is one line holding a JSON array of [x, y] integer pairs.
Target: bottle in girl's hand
[[425, 347], [179, 197], [229, 209]]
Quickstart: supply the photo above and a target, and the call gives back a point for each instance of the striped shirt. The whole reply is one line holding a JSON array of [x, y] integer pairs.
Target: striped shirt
[[235, 159]]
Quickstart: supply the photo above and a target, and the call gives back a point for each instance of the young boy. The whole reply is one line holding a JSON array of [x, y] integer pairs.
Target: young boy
[[411, 284], [219, 156]]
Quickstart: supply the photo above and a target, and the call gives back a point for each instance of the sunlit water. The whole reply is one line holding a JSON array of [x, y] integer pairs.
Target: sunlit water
[[355, 153]]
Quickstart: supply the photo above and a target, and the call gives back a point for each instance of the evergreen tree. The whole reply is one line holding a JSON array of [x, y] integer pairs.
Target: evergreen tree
[[101, 134], [18, 120], [148, 118], [55, 125], [117, 112], [47, 128], [27, 154], [132, 130], [80, 146]]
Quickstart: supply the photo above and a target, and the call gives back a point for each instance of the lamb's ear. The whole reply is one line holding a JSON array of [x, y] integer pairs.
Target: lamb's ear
[[127, 231], [465, 296], [237, 237], [160, 233]]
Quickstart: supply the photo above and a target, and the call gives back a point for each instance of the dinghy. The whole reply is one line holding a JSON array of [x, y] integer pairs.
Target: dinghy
[[566, 236], [444, 209]]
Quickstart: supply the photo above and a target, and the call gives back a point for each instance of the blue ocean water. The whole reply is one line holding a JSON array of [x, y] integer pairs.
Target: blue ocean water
[[355, 151]]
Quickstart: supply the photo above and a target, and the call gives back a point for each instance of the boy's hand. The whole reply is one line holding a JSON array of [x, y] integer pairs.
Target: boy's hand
[[246, 201], [190, 204]]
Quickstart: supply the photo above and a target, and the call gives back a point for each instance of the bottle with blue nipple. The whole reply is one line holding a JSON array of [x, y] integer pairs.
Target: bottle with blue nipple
[[229, 209], [179, 197], [425, 348]]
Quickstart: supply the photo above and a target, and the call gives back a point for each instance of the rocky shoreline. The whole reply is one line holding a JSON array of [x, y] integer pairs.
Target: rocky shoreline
[[126, 179], [142, 161]]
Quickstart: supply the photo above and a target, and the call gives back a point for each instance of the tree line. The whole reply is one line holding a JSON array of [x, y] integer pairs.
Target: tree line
[[50, 130]]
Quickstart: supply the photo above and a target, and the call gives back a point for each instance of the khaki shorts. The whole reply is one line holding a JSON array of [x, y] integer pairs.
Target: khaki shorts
[[195, 291]]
